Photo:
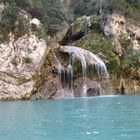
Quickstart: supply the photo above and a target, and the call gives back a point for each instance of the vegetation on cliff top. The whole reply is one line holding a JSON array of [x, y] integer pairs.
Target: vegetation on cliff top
[[129, 8], [52, 16], [47, 11]]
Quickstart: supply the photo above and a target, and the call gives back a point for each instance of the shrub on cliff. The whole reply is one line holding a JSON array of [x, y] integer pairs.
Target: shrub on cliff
[[7, 22], [104, 48], [12, 21], [48, 12], [129, 8], [53, 19], [22, 26], [24, 4]]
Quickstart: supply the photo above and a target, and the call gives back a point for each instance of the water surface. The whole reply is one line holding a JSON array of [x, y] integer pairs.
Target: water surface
[[100, 118]]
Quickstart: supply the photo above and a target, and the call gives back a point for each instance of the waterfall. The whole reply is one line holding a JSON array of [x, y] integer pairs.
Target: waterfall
[[70, 76], [66, 81], [86, 58]]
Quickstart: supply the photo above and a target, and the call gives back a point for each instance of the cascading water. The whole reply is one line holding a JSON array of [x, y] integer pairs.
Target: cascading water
[[70, 77], [66, 81], [85, 57]]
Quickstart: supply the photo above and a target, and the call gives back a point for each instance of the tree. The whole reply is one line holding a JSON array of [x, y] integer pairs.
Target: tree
[[8, 19]]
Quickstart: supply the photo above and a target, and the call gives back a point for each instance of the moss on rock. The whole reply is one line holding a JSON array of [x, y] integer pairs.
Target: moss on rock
[[78, 26]]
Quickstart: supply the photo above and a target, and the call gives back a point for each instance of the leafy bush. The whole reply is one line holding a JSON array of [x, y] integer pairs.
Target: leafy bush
[[24, 4], [130, 8], [39, 31], [7, 23], [47, 11], [99, 45], [53, 19], [125, 41], [21, 27], [27, 60]]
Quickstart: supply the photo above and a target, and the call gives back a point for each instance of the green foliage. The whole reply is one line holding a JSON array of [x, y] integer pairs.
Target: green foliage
[[79, 26], [80, 8], [21, 27], [99, 45], [47, 11], [24, 4], [86, 7], [125, 41], [27, 60], [53, 19], [129, 8], [7, 23], [38, 31], [129, 63], [130, 58], [120, 66], [64, 60]]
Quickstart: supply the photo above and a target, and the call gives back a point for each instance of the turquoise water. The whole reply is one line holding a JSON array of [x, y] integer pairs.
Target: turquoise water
[[100, 118]]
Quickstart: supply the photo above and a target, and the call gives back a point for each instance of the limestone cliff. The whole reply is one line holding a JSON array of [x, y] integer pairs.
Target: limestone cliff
[[116, 41], [30, 51], [117, 26], [20, 61]]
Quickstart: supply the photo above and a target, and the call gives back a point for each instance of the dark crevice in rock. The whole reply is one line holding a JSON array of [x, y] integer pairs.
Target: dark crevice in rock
[[69, 38]]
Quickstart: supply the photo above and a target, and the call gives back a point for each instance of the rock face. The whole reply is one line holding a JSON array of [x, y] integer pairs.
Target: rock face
[[29, 70], [66, 83], [134, 33], [20, 61], [80, 28], [130, 86], [116, 26], [125, 36]]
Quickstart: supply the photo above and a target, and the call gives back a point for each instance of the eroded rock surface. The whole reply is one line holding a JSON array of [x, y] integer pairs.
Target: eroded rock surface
[[20, 61], [26, 72], [116, 27]]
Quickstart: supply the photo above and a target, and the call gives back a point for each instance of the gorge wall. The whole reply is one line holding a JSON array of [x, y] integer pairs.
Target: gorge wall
[[30, 62]]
